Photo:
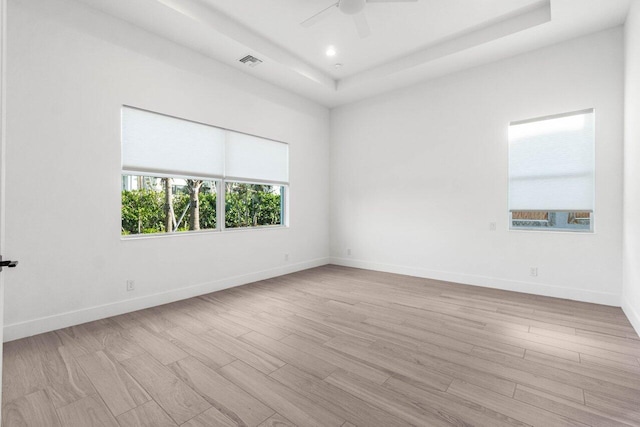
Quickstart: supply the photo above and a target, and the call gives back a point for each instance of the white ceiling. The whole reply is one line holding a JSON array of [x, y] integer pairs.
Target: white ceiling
[[409, 42], [397, 29]]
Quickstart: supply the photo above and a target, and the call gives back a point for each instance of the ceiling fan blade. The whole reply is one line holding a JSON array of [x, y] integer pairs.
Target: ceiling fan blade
[[391, 1], [319, 16], [360, 19]]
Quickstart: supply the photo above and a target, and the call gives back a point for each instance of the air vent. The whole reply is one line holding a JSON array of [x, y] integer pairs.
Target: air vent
[[251, 61]]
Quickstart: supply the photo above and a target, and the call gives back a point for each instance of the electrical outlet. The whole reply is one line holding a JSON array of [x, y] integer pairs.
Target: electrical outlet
[[492, 226], [286, 257], [131, 285], [349, 252], [533, 271]]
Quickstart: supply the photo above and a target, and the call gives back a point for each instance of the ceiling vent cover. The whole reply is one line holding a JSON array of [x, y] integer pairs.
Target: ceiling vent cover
[[250, 60]]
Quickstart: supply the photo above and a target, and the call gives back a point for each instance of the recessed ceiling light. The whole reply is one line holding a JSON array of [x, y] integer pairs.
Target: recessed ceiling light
[[331, 51]]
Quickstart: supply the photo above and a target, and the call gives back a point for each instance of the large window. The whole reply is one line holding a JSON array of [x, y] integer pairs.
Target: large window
[[551, 172], [180, 176]]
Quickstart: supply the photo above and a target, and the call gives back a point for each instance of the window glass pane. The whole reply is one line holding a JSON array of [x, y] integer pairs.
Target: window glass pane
[[253, 205], [564, 221], [164, 205]]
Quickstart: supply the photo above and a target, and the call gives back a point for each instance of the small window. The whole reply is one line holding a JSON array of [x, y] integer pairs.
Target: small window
[[551, 172], [253, 205]]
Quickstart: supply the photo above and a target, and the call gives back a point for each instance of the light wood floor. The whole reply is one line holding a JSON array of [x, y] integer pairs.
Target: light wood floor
[[334, 346]]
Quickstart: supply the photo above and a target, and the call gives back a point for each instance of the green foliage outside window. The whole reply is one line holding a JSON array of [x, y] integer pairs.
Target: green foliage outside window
[[251, 205], [142, 212], [246, 205]]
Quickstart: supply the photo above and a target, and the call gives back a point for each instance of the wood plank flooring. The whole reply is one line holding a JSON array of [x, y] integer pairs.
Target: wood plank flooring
[[334, 346]]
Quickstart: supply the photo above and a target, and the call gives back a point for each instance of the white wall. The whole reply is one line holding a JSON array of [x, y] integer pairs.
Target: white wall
[[631, 225], [69, 71], [418, 175]]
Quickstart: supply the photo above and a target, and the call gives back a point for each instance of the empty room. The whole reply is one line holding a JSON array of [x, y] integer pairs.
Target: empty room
[[345, 213]]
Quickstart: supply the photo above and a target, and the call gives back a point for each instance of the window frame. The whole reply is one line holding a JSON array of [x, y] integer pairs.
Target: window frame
[[592, 228], [217, 182], [284, 205], [220, 206], [220, 181]]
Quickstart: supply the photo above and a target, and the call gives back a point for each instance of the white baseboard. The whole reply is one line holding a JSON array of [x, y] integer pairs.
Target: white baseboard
[[632, 314], [50, 323], [487, 282]]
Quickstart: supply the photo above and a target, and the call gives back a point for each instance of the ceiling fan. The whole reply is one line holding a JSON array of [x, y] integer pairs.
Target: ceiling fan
[[350, 7]]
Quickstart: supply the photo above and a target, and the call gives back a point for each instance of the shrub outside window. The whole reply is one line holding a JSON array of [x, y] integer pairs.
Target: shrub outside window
[[165, 205], [253, 205]]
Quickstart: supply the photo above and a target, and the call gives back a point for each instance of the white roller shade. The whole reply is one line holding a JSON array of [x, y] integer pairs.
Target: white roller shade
[[552, 163], [252, 158], [158, 143]]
